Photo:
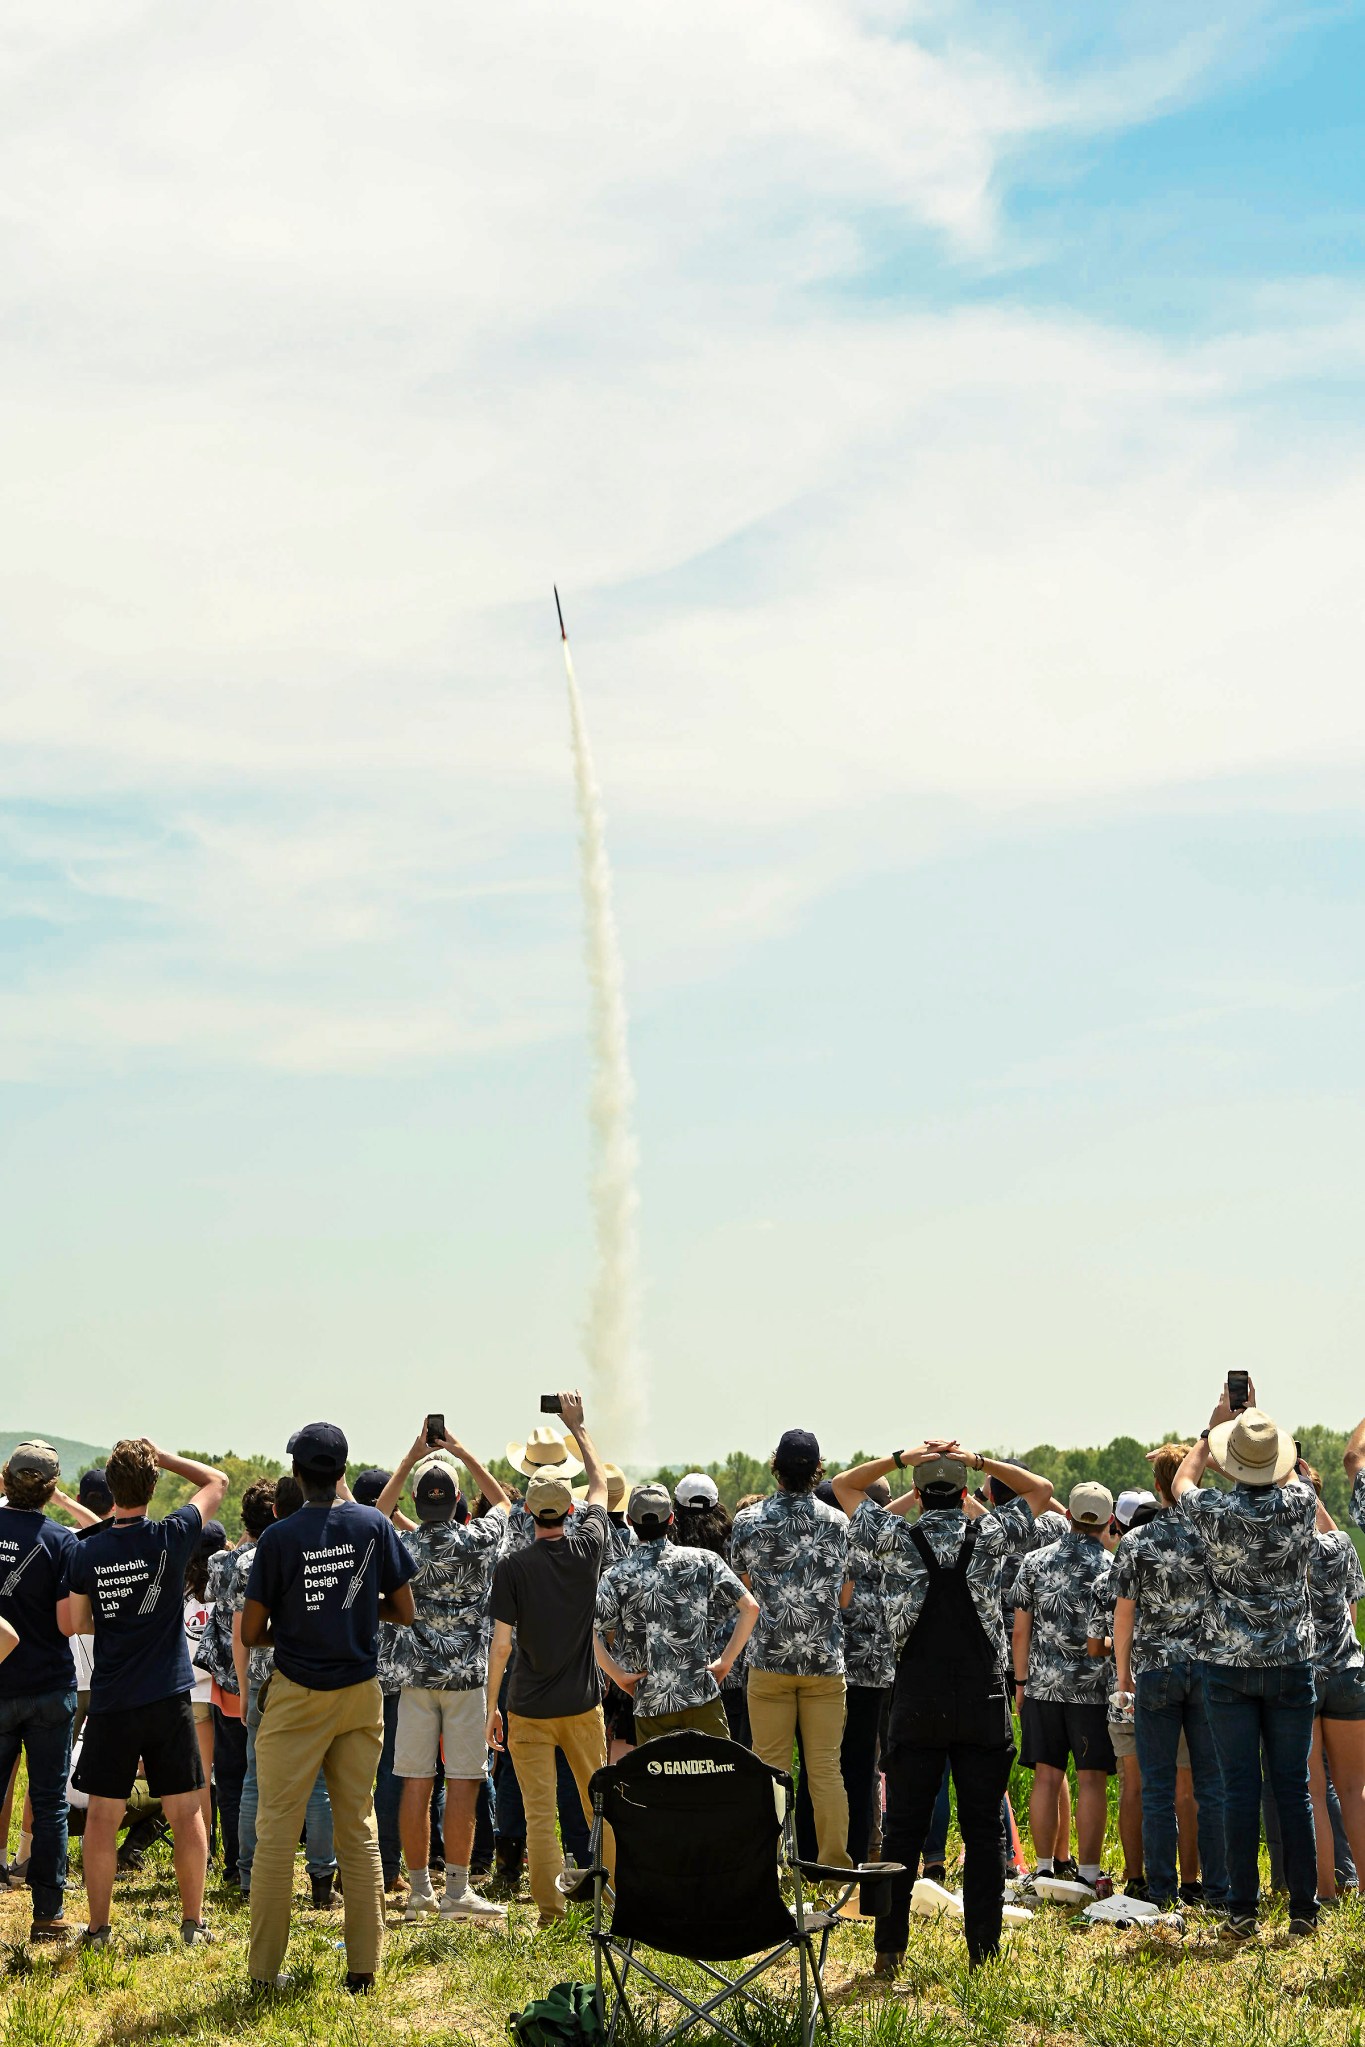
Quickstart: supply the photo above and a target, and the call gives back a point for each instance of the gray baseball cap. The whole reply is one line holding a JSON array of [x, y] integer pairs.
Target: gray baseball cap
[[940, 1471], [36, 1458], [650, 1504]]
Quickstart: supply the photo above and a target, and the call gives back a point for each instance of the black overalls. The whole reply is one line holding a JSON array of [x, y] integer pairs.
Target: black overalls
[[949, 1704]]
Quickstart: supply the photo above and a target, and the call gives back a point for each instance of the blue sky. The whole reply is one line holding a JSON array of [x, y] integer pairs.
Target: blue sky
[[943, 423]]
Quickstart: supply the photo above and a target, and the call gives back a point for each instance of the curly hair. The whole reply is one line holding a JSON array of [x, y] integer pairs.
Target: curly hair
[[702, 1528], [25, 1490], [132, 1472], [797, 1478], [1165, 1465], [258, 1506]]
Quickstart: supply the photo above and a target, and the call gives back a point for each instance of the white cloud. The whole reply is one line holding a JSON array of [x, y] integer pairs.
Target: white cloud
[[329, 338]]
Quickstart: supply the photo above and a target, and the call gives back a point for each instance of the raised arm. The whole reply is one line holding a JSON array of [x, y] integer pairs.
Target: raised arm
[[393, 1491], [1191, 1473], [84, 1517], [483, 1478], [1353, 1456], [212, 1484], [571, 1411], [850, 1487]]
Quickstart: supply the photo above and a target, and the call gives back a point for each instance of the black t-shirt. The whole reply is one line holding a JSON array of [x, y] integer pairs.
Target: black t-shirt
[[133, 1573], [548, 1593], [33, 1559], [321, 1572]]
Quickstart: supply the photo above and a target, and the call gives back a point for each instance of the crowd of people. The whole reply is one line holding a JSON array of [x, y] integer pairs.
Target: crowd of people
[[436, 1692]]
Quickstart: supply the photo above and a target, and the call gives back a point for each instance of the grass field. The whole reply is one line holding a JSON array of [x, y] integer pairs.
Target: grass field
[[1057, 1985]]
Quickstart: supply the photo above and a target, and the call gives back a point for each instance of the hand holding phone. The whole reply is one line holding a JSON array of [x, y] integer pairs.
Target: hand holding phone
[[436, 1431], [549, 1403], [1239, 1391]]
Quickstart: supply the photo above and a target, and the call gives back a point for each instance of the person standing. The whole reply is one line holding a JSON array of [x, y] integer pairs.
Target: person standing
[[1256, 1645], [442, 1662], [791, 1552], [320, 1583], [37, 1676], [1336, 1585], [1064, 1690], [701, 1520], [126, 1581], [661, 1604], [546, 1593], [950, 1699]]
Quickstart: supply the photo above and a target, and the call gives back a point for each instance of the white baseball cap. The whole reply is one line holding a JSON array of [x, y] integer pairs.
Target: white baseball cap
[[1130, 1501], [696, 1490]]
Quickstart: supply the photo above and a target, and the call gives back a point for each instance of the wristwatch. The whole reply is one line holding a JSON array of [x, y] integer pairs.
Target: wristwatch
[[898, 1459], [1203, 1435]]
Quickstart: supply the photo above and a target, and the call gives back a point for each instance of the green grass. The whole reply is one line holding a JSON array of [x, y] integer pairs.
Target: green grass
[[1057, 1985]]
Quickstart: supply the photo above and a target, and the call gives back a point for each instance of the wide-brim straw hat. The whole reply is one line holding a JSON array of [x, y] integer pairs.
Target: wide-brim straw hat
[[616, 1488], [543, 1450], [1252, 1449]]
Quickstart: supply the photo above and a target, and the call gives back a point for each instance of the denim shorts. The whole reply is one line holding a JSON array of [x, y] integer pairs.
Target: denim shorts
[[1341, 1693]]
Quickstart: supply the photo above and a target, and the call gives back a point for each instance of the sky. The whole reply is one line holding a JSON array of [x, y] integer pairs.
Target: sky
[[943, 423]]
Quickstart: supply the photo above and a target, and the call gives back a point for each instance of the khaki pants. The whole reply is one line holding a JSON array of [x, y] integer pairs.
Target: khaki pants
[[532, 1744], [302, 1731], [780, 1702], [707, 1719]]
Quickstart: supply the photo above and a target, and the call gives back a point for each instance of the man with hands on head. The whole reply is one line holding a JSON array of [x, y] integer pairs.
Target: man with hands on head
[[950, 1702], [1256, 1644], [127, 1586], [442, 1663], [546, 1596]]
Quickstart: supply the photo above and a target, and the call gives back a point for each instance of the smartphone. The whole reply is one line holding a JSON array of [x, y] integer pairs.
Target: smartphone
[[549, 1403], [436, 1431], [1239, 1391]]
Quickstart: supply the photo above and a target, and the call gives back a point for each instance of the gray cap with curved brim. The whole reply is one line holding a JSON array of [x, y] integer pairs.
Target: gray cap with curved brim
[[940, 1471]]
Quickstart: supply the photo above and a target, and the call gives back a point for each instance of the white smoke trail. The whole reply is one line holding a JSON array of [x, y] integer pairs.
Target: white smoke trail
[[613, 1363]]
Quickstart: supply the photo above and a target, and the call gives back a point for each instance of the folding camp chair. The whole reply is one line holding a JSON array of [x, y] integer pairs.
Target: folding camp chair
[[697, 1824]]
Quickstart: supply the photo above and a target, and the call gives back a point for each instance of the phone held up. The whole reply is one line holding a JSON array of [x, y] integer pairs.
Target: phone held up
[[549, 1403], [1239, 1391], [436, 1430]]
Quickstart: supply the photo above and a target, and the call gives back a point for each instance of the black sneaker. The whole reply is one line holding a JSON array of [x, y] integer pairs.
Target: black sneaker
[[1300, 1928], [357, 1985], [1136, 1887], [935, 1872], [1069, 1870], [1192, 1894], [1241, 1927]]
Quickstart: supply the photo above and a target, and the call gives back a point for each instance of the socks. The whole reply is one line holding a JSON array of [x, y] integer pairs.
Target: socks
[[1044, 1865], [457, 1880], [1089, 1871], [25, 1846], [420, 1879]]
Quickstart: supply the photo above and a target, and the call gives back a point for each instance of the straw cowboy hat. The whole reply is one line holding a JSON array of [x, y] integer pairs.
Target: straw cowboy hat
[[543, 1450], [616, 1488], [1252, 1449]]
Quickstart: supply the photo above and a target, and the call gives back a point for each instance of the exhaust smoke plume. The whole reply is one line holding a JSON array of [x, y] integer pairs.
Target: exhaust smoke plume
[[618, 1417]]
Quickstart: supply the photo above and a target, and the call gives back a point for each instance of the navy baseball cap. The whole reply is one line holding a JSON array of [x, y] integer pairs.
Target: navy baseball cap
[[319, 1449], [93, 1490], [370, 1485], [435, 1493], [212, 1538], [797, 1451]]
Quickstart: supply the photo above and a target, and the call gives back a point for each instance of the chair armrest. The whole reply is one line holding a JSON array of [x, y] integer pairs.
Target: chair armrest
[[826, 1872]]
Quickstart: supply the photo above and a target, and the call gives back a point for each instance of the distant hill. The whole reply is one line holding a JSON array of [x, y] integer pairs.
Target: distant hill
[[76, 1457]]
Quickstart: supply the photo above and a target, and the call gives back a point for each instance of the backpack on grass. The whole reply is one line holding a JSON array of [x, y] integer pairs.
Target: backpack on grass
[[567, 2017]]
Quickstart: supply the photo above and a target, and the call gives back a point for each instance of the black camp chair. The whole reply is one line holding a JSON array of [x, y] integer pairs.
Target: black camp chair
[[697, 1824]]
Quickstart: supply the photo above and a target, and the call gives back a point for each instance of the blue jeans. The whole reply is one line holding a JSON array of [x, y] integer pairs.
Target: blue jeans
[[41, 1724], [1275, 1707], [322, 1859], [1170, 1702]]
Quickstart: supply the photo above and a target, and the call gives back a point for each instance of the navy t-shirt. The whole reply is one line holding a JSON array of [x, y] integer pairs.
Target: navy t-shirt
[[33, 1561], [321, 1572], [133, 1574]]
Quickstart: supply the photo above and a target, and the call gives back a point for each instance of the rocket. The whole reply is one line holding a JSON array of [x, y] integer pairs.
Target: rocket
[[560, 611]]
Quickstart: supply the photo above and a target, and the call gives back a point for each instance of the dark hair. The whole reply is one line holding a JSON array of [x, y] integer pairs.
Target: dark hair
[[800, 1476], [25, 1490], [197, 1577], [702, 1528], [132, 1472], [937, 1499], [288, 1496], [258, 1506], [318, 1490]]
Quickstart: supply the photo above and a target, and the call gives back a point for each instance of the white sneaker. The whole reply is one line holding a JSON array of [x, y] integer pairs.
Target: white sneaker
[[420, 1905], [469, 1905]]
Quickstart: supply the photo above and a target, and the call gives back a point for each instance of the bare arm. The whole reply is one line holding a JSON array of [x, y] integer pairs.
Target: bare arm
[[498, 1656], [398, 1607], [1023, 1638], [571, 1410], [9, 1641], [850, 1487], [1197, 1459], [74, 1616], [744, 1627], [252, 1625], [393, 1491], [1124, 1612], [1353, 1456], [240, 1660], [84, 1517], [626, 1679], [212, 1484], [483, 1478]]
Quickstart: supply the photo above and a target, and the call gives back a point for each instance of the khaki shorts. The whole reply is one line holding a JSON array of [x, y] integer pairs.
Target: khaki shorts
[[441, 1723], [1123, 1737], [203, 1710]]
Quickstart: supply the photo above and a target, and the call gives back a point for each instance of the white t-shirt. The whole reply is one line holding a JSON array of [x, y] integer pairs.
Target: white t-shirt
[[196, 1620]]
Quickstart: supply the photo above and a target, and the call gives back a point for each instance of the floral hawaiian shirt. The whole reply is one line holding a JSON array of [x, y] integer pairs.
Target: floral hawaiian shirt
[[1161, 1568], [1257, 1541], [793, 1549], [446, 1648], [998, 1535], [661, 1604], [1058, 1586], [229, 1570], [869, 1651], [1335, 1582]]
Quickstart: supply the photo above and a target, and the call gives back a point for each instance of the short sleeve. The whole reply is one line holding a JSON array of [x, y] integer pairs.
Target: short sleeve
[[1005, 1529], [1023, 1585], [263, 1581], [188, 1526], [726, 1589], [75, 1571], [1358, 1500], [608, 1602], [1123, 1572], [502, 1599], [397, 1565]]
